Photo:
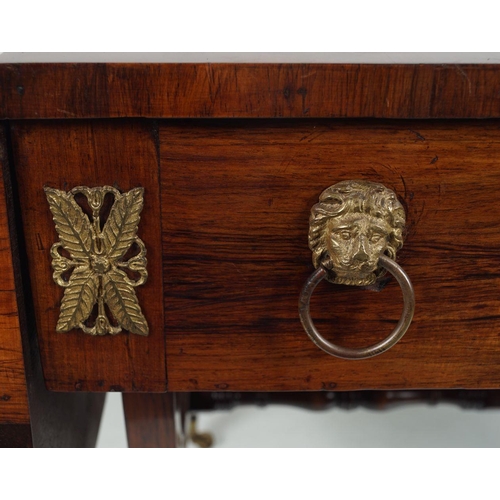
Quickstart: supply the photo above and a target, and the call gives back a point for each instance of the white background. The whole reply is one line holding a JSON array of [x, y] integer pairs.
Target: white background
[[274, 426]]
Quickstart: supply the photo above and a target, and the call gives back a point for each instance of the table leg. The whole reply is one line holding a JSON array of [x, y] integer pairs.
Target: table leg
[[153, 420]]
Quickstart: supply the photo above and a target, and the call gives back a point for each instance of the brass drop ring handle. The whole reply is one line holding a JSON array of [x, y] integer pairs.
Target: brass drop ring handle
[[365, 352], [354, 233]]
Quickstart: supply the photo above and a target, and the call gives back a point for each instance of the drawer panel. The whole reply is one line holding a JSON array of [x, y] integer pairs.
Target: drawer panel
[[236, 198], [227, 252], [62, 155]]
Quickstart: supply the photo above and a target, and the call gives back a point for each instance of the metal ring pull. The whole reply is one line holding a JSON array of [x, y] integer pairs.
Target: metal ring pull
[[354, 233], [365, 352]]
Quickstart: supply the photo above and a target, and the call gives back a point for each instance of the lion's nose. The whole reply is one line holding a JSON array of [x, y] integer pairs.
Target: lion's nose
[[360, 253]]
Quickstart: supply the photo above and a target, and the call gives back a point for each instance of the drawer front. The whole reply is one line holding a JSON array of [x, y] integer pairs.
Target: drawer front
[[236, 198], [225, 224], [63, 155]]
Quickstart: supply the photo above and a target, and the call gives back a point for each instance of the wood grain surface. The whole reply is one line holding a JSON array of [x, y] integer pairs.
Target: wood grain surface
[[249, 90], [151, 420], [63, 155], [236, 197], [13, 392]]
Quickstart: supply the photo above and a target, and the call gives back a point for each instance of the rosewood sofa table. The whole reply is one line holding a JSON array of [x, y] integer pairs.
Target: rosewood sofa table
[[199, 235]]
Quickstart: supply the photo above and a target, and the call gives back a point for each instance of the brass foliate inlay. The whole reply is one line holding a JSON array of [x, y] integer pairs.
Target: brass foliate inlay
[[99, 259], [354, 223]]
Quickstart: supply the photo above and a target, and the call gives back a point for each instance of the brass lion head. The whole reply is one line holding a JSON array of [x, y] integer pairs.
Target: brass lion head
[[351, 226]]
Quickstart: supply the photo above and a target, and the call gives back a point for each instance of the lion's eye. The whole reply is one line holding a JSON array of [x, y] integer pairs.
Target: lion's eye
[[375, 237], [345, 235]]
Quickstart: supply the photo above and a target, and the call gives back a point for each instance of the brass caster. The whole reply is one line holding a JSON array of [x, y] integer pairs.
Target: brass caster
[[203, 439]]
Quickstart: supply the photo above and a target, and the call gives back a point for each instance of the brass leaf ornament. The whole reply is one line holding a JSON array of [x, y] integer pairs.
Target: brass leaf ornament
[[99, 259]]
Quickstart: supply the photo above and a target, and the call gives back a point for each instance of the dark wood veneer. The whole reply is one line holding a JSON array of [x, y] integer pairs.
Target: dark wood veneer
[[107, 90]]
